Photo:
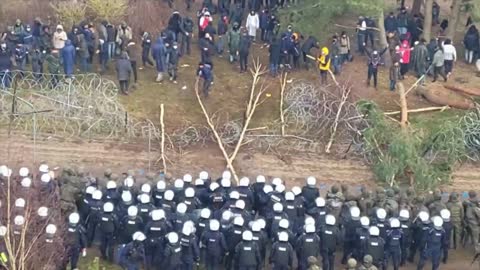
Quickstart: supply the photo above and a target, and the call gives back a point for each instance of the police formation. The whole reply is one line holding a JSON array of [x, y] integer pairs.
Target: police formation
[[256, 225]]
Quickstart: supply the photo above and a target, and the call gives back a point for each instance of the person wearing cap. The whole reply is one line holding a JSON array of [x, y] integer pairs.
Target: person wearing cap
[[330, 237], [457, 213], [130, 224], [351, 225], [282, 253], [172, 254], [233, 236], [132, 255], [108, 229], [310, 192], [189, 245], [448, 228], [367, 263], [155, 231], [375, 246], [307, 245], [75, 240], [214, 244], [421, 228], [433, 245], [393, 243], [247, 253]]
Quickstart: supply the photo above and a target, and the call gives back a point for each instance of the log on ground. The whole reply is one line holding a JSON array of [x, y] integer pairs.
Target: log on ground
[[440, 95], [464, 90]]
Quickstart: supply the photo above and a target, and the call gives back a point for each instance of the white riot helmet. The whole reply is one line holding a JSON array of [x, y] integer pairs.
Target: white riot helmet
[[244, 182], [126, 197], [111, 185], [203, 175], [90, 190], [214, 186], [226, 215], [283, 237], [187, 229], [262, 223], [3, 231], [205, 213], [320, 202], [23, 172], [144, 198], [45, 178], [276, 181], [309, 228], [168, 195], [172, 238], [289, 196], [355, 212], [42, 211], [43, 168], [309, 220], [404, 214], [26, 182], [226, 175], [267, 189], [51, 229], [394, 223], [139, 236], [226, 183], [238, 221], [161, 185], [178, 184], [187, 178], [365, 222], [374, 231], [256, 226], [277, 207], [296, 190], [283, 223], [19, 220], [108, 207], [311, 181], [128, 182], [234, 195], [132, 211], [97, 195], [74, 218], [330, 220], [158, 214], [199, 182], [381, 214], [247, 236], [423, 216], [20, 202], [189, 192], [445, 214], [240, 204], [260, 179], [280, 188], [214, 225], [437, 222], [146, 188], [181, 208]]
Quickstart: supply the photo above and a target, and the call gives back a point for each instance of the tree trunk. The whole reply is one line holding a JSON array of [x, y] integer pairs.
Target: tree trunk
[[417, 6], [427, 24], [382, 35], [453, 19]]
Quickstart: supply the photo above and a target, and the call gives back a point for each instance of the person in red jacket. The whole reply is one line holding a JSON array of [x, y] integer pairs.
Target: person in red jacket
[[405, 50]]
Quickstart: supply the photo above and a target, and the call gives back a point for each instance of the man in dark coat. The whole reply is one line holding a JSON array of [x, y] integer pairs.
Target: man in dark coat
[[68, 58], [205, 72], [390, 23], [274, 58], [472, 44], [124, 70], [5, 66], [244, 49], [175, 24], [420, 59], [307, 46], [159, 53]]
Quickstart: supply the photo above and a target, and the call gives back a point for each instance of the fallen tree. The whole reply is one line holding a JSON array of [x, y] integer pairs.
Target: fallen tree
[[442, 96]]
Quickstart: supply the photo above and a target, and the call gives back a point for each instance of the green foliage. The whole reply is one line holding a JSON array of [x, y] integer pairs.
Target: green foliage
[[95, 264], [111, 10], [69, 13], [428, 154]]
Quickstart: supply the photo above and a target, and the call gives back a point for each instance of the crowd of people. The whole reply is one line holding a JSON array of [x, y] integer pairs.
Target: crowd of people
[[234, 32], [177, 224]]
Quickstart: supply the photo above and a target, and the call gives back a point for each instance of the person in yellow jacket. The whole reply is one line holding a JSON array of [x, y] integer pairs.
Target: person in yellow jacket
[[324, 64]]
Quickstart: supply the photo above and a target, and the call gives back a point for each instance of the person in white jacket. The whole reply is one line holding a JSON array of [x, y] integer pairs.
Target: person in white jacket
[[59, 38], [450, 54], [252, 24]]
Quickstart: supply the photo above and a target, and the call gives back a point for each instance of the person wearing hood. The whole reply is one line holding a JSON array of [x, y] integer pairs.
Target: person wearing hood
[[37, 63], [222, 30], [274, 56], [175, 24], [18, 29], [36, 29], [124, 34], [420, 59], [124, 71], [471, 41], [68, 54], [186, 36], [45, 39], [374, 60], [133, 56], [252, 24], [244, 49], [205, 72], [159, 52], [203, 22], [233, 39], [83, 53], [20, 57], [52, 59], [59, 38], [27, 39], [324, 64], [146, 46], [405, 51], [173, 57], [437, 63], [236, 14], [206, 48]]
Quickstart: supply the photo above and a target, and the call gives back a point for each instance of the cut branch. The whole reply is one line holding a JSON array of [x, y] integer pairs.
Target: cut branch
[[162, 146], [283, 83], [403, 106], [345, 94]]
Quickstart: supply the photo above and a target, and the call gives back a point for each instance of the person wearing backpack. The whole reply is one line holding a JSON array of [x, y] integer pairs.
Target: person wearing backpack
[[132, 255]]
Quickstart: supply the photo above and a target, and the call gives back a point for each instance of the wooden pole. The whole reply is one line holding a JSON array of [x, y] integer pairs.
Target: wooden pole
[[162, 145], [345, 94], [283, 83], [403, 106]]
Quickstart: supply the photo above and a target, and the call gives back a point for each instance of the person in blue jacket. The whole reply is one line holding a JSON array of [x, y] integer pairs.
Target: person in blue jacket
[[158, 53], [68, 58]]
